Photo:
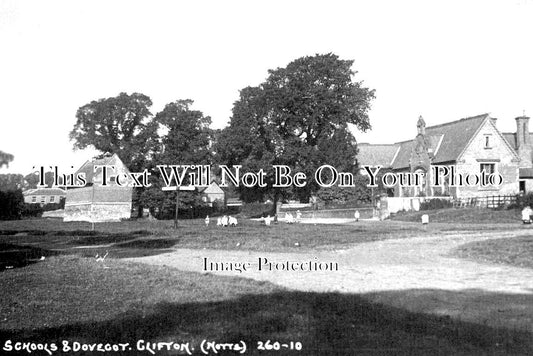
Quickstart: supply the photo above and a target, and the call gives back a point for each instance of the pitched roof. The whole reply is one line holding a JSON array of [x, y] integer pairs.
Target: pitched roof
[[45, 191], [446, 143], [404, 154], [457, 135], [447, 140], [376, 155], [212, 186], [525, 172], [510, 137], [106, 159]]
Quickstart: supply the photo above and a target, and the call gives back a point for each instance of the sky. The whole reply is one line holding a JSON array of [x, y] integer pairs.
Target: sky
[[444, 60]]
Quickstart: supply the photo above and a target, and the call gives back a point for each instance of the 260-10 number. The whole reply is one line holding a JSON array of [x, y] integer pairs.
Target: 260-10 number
[[268, 345]]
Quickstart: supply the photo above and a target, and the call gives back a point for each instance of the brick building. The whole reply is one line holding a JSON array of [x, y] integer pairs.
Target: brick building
[[470, 145], [96, 202], [44, 196]]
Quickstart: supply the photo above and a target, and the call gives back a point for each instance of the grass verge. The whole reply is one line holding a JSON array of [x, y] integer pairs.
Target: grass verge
[[517, 251], [462, 216]]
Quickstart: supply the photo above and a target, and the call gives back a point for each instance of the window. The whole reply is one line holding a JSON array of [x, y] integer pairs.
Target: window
[[488, 141], [52, 198], [43, 199], [489, 168], [34, 199]]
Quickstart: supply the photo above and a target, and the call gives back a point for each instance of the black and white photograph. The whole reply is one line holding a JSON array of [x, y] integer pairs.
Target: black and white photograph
[[266, 177]]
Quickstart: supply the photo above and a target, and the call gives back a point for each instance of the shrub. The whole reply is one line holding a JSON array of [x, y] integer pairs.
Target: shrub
[[32, 210], [434, 204], [255, 210], [53, 206], [11, 204], [525, 200]]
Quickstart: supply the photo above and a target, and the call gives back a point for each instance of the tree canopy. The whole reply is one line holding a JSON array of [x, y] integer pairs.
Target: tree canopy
[[299, 117], [187, 139], [121, 125], [188, 136]]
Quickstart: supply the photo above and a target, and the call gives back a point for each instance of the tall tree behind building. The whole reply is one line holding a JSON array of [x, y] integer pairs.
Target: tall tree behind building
[[121, 125], [299, 117]]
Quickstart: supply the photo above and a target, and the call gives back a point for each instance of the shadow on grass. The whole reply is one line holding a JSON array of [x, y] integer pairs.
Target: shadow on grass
[[15, 256], [98, 238], [131, 249], [325, 324]]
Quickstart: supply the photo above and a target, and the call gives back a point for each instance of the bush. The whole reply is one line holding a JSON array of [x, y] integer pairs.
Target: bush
[[11, 204], [32, 211], [524, 200], [256, 210], [434, 204], [53, 206]]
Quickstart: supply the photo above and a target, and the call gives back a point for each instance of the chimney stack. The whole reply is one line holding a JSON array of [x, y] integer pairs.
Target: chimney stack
[[522, 132]]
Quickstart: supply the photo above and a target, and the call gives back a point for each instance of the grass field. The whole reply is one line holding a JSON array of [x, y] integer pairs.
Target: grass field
[[516, 252], [77, 299], [141, 238], [66, 296]]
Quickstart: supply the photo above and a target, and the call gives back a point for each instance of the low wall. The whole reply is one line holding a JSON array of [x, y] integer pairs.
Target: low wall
[[364, 213], [97, 212], [395, 204]]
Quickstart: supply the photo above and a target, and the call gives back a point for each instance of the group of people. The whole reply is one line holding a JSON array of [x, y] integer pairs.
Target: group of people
[[290, 219], [223, 221]]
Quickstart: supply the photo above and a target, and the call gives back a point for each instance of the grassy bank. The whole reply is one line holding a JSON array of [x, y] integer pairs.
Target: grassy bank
[[479, 216], [517, 251]]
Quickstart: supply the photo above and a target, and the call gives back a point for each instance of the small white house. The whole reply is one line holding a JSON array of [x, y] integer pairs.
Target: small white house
[[44, 196], [212, 193]]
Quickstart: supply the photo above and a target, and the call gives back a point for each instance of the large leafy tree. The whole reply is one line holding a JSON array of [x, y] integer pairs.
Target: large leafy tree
[[300, 117], [33, 179], [121, 125], [187, 140], [189, 137], [11, 181]]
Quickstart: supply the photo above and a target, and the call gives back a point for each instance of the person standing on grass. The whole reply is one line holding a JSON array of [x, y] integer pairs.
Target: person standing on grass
[[314, 202], [526, 215], [356, 215]]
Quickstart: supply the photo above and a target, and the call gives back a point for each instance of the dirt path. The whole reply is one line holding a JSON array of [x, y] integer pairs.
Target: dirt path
[[390, 265]]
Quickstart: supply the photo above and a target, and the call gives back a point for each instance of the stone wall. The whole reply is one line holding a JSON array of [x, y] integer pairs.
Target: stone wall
[[97, 212], [98, 204], [499, 153]]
